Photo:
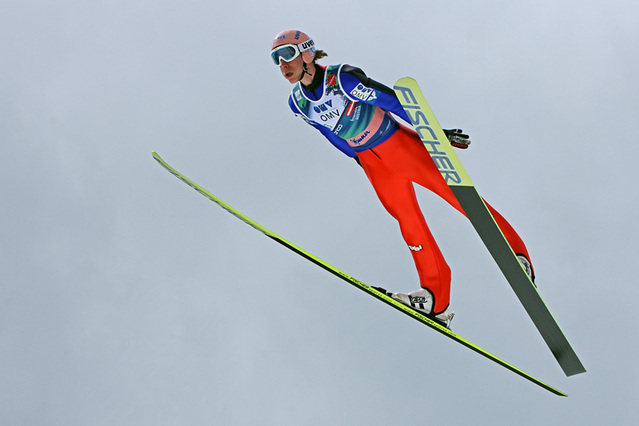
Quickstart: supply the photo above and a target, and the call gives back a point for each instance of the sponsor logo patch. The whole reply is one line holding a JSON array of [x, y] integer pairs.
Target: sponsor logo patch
[[364, 93], [359, 139]]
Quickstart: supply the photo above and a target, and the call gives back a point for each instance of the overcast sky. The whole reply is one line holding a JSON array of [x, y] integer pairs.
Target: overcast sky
[[127, 298]]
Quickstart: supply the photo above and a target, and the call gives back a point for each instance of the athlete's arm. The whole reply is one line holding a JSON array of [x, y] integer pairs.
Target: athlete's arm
[[385, 98], [352, 79]]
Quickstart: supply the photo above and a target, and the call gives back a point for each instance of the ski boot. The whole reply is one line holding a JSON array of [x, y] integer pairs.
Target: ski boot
[[421, 301], [527, 267]]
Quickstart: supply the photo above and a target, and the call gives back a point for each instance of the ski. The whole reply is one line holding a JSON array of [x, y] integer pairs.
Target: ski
[[431, 133], [378, 294]]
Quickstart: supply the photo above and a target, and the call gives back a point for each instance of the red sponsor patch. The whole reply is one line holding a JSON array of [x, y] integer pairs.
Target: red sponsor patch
[[332, 80]]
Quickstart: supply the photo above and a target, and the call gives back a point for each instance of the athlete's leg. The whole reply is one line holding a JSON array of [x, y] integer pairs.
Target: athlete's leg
[[405, 154], [515, 241], [398, 197]]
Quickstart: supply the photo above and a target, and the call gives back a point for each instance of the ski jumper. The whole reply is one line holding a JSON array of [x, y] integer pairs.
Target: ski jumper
[[354, 113]]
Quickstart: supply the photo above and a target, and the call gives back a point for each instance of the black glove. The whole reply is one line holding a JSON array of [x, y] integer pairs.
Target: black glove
[[457, 138]]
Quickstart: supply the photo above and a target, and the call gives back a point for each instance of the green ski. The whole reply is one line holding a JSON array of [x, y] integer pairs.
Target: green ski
[[353, 281], [431, 133]]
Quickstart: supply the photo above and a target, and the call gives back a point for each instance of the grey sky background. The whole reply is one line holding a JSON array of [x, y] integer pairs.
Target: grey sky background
[[127, 298]]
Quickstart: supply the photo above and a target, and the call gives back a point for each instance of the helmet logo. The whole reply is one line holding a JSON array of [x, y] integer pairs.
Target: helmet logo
[[307, 45]]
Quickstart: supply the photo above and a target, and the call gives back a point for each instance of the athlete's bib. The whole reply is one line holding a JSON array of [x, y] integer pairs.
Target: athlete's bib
[[361, 124]]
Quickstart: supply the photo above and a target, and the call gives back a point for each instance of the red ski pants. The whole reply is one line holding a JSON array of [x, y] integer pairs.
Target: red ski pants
[[392, 167]]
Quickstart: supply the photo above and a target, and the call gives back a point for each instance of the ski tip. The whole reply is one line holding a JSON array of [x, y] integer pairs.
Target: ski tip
[[404, 80], [157, 157]]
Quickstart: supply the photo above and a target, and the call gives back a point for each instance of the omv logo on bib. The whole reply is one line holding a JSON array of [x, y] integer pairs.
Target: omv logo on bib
[[323, 107]]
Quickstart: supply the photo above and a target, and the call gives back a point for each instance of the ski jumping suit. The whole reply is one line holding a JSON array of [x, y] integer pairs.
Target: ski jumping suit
[[353, 112]]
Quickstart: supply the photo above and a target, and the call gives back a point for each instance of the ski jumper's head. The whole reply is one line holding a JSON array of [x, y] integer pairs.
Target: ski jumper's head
[[294, 51], [289, 44]]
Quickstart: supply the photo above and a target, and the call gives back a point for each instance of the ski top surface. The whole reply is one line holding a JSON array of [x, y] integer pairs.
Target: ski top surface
[[355, 282], [431, 133]]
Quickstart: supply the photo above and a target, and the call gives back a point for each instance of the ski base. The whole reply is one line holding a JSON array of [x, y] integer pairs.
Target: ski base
[[382, 296]]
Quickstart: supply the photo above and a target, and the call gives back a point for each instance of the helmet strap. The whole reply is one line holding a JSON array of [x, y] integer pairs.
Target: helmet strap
[[304, 70]]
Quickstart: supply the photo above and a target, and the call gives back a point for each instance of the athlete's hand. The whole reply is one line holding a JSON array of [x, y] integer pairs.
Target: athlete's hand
[[457, 138]]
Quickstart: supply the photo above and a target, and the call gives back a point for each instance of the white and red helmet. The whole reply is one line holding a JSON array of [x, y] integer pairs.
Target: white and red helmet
[[291, 43]]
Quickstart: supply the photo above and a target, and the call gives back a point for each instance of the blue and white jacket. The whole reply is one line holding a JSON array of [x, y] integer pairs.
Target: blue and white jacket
[[347, 107]]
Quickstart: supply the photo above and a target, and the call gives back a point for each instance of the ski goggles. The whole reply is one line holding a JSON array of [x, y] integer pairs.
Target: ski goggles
[[288, 52]]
